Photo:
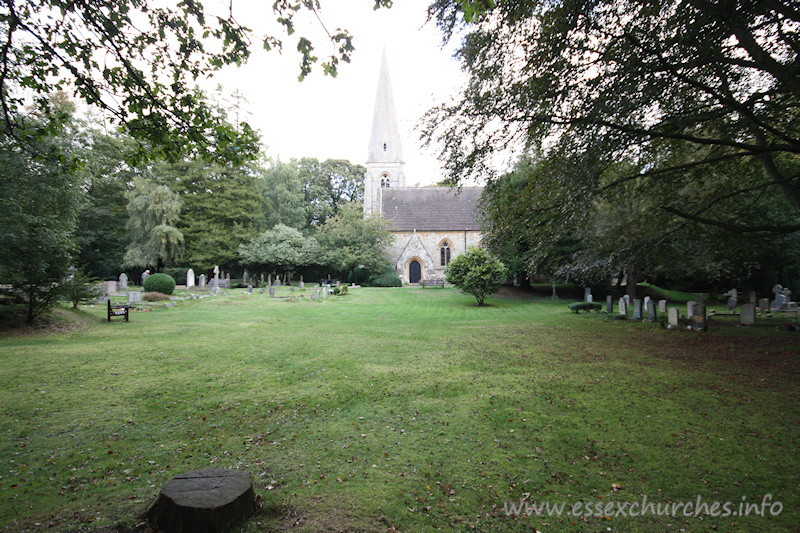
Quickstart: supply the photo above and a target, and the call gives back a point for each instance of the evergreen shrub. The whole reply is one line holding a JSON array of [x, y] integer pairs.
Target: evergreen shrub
[[387, 279], [162, 283]]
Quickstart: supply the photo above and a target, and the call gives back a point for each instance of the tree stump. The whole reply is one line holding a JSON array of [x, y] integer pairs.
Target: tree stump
[[203, 501]]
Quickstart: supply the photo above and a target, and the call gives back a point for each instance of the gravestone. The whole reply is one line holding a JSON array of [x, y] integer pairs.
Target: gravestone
[[690, 309], [747, 315], [627, 300], [319, 294], [272, 291], [587, 294], [623, 307], [244, 277], [216, 276], [269, 280], [189, 278], [555, 296], [302, 284], [202, 281], [262, 278], [699, 319], [731, 304], [277, 282], [763, 303], [111, 287], [313, 296], [637, 309], [662, 306], [291, 289], [753, 297], [646, 303], [215, 290], [609, 304], [210, 500], [698, 297], [134, 297], [652, 315], [249, 289], [123, 282], [673, 316]]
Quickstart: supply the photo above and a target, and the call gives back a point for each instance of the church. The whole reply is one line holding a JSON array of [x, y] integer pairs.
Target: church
[[430, 225]]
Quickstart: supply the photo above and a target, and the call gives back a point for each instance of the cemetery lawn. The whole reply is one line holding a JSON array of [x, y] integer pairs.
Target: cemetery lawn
[[402, 410]]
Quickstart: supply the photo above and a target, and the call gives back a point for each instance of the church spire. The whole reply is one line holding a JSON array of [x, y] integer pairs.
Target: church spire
[[385, 158], [384, 142]]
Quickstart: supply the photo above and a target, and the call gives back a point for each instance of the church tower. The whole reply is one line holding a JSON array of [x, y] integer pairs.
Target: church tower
[[385, 159]]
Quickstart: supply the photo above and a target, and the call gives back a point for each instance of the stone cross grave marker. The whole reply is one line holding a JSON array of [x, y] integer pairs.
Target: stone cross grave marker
[[747, 316]]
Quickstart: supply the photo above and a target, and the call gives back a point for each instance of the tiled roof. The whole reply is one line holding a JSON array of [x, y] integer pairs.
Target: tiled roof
[[431, 208]]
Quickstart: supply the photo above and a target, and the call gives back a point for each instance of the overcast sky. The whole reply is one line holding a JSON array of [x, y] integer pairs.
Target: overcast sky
[[326, 117]]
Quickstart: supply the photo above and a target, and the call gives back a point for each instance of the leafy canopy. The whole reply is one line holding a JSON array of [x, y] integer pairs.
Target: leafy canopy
[[713, 85]]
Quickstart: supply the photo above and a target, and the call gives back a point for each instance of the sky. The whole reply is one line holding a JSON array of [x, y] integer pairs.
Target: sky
[[326, 117]]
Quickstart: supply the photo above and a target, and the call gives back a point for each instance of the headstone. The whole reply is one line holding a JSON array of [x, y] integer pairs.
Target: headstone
[[555, 296], [189, 278], [699, 320], [111, 287], [291, 289], [763, 303], [698, 297], [216, 276], [747, 316], [673, 316], [652, 314], [272, 291], [277, 282], [249, 289], [215, 290], [302, 285], [269, 280], [637, 309], [731, 304], [319, 294], [325, 291], [662, 306], [780, 300], [134, 297], [244, 277], [623, 307], [627, 299], [262, 278], [690, 309], [123, 282], [753, 297], [646, 303], [202, 281], [609, 304], [587, 294], [313, 296]]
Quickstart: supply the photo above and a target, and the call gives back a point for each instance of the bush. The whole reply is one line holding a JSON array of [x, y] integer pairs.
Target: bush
[[577, 307], [476, 272], [155, 296], [340, 291], [387, 279], [162, 283]]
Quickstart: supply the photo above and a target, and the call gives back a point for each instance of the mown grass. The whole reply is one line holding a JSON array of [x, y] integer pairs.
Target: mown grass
[[410, 409]]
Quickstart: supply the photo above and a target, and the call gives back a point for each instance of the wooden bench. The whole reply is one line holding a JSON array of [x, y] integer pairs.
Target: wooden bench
[[432, 283], [117, 310]]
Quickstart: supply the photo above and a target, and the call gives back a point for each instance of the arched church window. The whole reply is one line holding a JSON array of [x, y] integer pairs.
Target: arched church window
[[385, 181], [444, 252]]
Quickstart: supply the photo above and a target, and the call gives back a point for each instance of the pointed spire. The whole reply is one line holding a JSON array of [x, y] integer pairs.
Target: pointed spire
[[384, 142]]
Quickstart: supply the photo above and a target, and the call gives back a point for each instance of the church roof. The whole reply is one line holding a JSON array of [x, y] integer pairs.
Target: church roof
[[431, 208]]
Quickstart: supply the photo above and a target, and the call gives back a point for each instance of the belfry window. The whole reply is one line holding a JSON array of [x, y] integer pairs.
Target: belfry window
[[384, 147], [444, 252], [385, 181]]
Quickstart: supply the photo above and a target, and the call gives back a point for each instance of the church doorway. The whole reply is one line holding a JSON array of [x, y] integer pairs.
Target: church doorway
[[414, 271]]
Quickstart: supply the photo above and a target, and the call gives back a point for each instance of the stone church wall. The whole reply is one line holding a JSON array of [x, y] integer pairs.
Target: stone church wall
[[425, 246]]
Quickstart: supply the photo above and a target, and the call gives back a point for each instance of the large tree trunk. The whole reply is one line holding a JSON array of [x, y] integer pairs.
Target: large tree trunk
[[203, 501]]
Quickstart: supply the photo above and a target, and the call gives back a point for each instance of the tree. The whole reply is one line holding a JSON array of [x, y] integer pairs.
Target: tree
[[328, 186], [348, 241], [153, 212], [139, 63], [38, 212], [281, 248], [222, 209], [476, 272], [282, 190], [714, 83]]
